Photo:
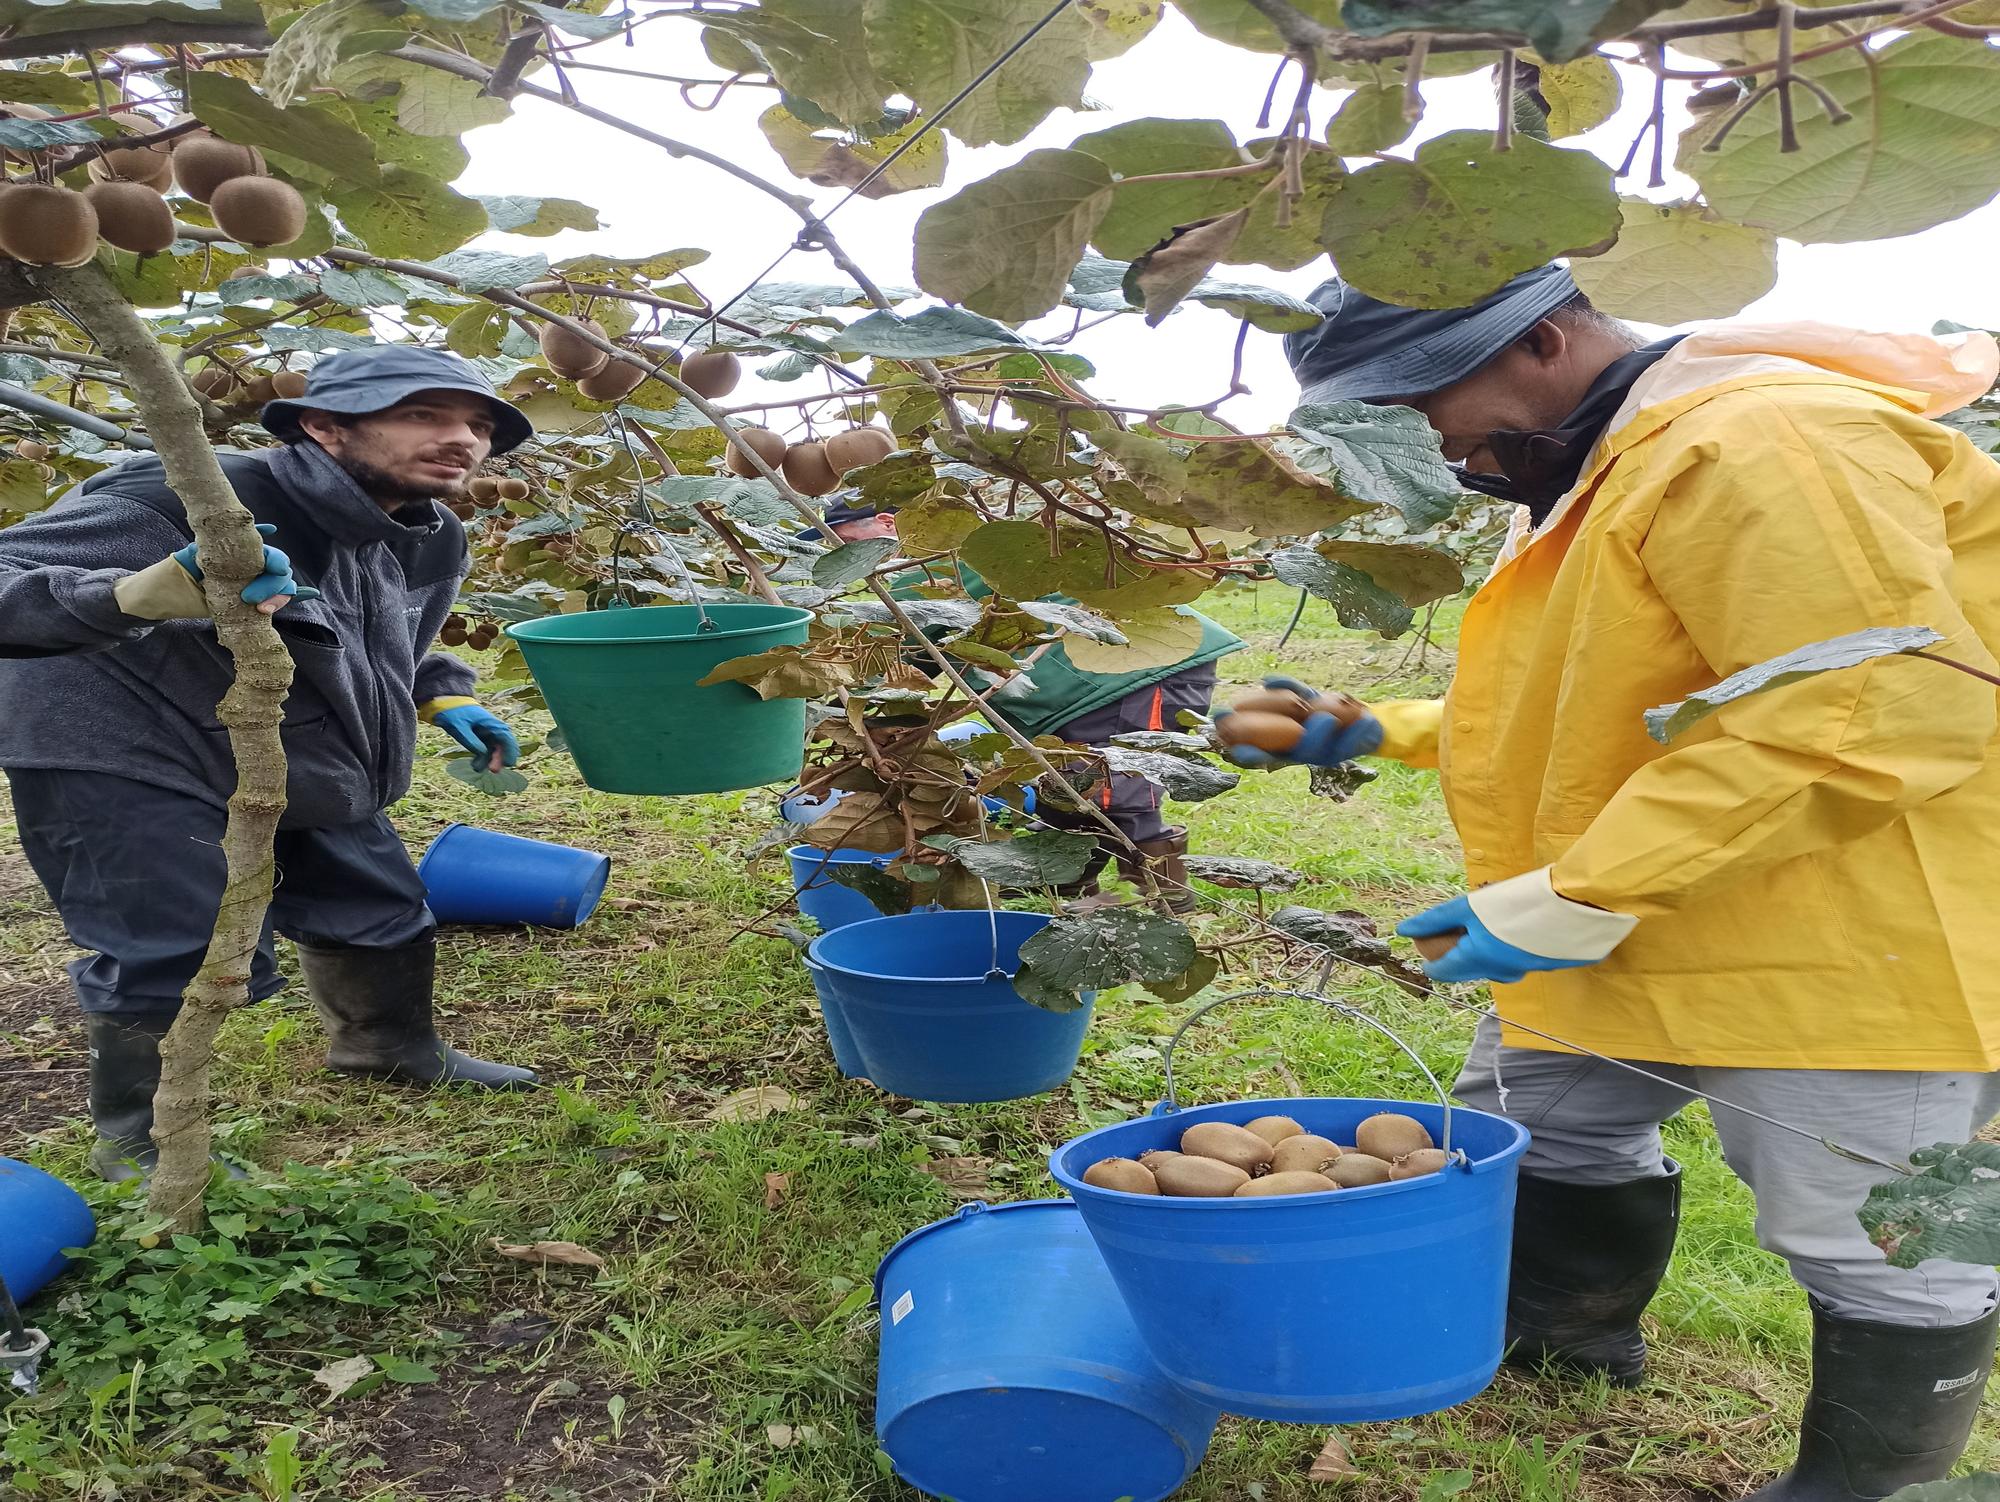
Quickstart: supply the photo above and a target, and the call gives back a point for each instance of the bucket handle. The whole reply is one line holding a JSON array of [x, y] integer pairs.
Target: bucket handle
[[993, 970], [1346, 1009]]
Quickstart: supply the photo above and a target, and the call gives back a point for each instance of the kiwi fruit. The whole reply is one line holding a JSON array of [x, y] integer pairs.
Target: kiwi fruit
[[259, 211], [132, 216], [32, 449], [1122, 1174], [1425, 1160], [202, 163], [260, 391], [1304, 1152], [1274, 1129], [1227, 1143], [616, 381], [1189, 1177], [452, 633], [47, 226], [1389, 1135], [711, 373], [483, 489], [1272, 701], [569, 354], [1275, 733], [858, 446], [214, 382], [770, 448], [511, 489], [289, 384], [151, 165], [1152, 1158], [1345, 708], [1358, 1170], [1286, 1183], [807, 471]]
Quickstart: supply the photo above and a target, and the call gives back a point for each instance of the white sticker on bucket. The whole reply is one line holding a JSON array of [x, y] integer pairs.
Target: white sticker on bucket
[[901, 1308]]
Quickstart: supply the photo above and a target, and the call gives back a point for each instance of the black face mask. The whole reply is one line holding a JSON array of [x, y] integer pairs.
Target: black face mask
[[1539, 466]]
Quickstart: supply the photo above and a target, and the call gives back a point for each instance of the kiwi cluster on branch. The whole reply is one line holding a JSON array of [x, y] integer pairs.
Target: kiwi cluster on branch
[[1272, 1156], [457, 631]]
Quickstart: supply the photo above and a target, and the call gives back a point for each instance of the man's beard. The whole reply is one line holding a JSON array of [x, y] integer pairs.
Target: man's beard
[[391, 491]]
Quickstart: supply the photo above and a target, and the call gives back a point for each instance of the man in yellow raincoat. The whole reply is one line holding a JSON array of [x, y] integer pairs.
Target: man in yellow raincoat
[[1791, 908]]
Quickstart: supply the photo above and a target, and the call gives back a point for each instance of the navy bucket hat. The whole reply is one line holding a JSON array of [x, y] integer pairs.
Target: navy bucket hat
[[1364, 350], [359, 381]]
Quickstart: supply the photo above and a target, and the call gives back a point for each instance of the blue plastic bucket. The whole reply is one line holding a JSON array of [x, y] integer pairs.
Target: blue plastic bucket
[[820, 897], [1010, 1371], [483, 876], [929, 1020], [1365, 1304], [39, 1216], [800, 807]]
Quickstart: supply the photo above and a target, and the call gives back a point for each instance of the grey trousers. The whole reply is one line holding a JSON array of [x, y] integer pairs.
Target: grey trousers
[[1596, 1124]]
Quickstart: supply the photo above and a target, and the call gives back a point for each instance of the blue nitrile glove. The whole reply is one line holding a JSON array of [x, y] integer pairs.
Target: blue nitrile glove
[[1515, 927], [478, 729], [275, 580], [1325, 743]]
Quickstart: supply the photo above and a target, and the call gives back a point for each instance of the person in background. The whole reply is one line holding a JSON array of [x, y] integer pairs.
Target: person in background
[[1791, 907], [1050, 695], [110, 673]]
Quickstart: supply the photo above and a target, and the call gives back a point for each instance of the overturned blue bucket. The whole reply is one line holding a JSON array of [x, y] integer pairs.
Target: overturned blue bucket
[[1010, 1371], [483, 876], [927, 1002], [820, 897], [1350, 1307], [40, 1216]]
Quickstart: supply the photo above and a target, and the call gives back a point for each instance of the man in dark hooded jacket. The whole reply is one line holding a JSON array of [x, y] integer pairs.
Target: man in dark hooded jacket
[[110, 674]]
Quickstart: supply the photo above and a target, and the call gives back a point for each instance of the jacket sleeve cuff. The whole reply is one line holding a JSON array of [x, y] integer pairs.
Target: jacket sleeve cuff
[[430, 709], [1410, 729], [1527, 912], [163, 591]]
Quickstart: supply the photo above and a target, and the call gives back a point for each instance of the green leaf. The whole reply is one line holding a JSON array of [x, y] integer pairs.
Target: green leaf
[[1358, 601], [887, 895], [937, 523], [1288, 241], [1559, 29], [1004, 246], [363, 287], [41, 135], [578, 23], [64, 93], [1242, 487], [1678, 262], [829, 160], [1460, 219], [537, 216], [813, 50], [441, 157], [396, 1369], [1240, 25], [1949, 1209], [1070, 618], [934, 333], [1109, 947], [1168, 272], [483, 270], [1142, 214], [732, 54], [1668, 721], [1350, 935], [455, 10], [313, 338], [306, 133], [409, 217], [931, 49], [288, 288], [434, 103], [500, 784], [1414, 572], [1240, 873], [309, 49], [852, 561], [476, 332], [1038, 858], [1581, 95], [1117, 25], [1013, 557], [1386, 456], [1155, 638], [1184, 779], [1190, 983], [1923, 146], [1369, 120]]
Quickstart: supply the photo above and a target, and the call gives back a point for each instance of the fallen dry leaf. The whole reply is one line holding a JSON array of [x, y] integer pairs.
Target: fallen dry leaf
[[775, 1187], [1333, 1462], [964, 1178], [753, 1104], [39, 1064], [563, 1253], [337, 1376], [781, 1436]]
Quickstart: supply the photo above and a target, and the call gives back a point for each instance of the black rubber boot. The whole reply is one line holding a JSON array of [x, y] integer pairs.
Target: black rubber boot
[[1587, 1261], [376, 1005], [124, 1078], [1890, 1406]]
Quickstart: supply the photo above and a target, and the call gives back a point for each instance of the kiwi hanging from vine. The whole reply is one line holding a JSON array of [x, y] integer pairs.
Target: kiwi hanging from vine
[[616, 381], [203, 162], [47, 225], [711, 373], [569, 354], [151, 165], [132, 216], [259, 211], [807, 470], [770, 447]]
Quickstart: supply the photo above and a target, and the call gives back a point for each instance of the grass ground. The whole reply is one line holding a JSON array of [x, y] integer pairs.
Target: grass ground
[[724, 1351]]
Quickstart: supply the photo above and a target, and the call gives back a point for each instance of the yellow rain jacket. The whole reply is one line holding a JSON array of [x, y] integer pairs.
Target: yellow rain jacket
[[1816, 869]]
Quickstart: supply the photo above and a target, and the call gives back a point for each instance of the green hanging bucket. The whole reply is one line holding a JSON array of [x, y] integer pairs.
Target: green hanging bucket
[[623, 685]]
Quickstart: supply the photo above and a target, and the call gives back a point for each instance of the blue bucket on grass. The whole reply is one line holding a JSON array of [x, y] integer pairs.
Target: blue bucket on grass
[[927, 1016], [1361, 1305], [483, 876], [1010, 1371], [39, 1216], [820, 897]]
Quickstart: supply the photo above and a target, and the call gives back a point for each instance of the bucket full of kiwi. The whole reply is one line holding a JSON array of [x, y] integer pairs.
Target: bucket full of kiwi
[[1321, 1260], [625, 686]]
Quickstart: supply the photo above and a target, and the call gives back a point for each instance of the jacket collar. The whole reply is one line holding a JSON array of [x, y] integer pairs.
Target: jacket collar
[[340, 507]]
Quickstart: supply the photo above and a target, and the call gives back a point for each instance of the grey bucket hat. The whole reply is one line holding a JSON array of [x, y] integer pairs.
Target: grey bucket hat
[[1365, 350], [358, 381]]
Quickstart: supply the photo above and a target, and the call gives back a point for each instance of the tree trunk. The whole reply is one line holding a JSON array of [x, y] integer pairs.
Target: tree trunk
[[232, 555]]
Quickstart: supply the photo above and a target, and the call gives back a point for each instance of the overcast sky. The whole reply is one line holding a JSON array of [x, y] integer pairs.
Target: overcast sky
[[650, 201]]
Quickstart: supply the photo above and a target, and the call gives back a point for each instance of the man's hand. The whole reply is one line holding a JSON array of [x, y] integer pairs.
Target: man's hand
[[1513, 928], [1333, 729], [480, 730], [170, 590]]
